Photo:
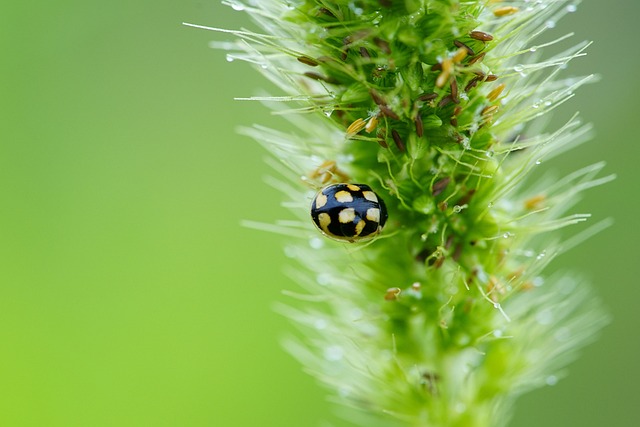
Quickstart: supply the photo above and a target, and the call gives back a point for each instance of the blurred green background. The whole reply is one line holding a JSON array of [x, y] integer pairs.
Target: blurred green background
[[129, 293]]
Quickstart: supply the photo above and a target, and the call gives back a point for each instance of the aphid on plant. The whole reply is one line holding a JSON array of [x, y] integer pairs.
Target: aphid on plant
[[328, 171], [392, 294], [348, 212]]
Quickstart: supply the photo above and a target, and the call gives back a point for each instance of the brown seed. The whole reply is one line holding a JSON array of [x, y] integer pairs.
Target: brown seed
[[454, 90], [326, 11], [377, 98], [445, 101], [383, 45], [398, 140], [436, 67], [464, 200], [419, 126], [458, 43], [364, 53], [316, 76], [475, 59], [440, 185], [472, 83], [491, 78], [308, 61], [388, 112], [457, 252], [481, 35], [427, 96], [454, 121]]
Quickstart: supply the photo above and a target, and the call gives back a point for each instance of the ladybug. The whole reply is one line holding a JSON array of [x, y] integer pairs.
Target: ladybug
[[348, 212]]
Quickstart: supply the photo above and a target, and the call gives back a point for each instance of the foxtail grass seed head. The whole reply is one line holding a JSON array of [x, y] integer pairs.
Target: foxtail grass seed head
[[428, 302]]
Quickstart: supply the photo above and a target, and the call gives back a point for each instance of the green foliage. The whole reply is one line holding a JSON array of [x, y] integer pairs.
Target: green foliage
[[446, 317]]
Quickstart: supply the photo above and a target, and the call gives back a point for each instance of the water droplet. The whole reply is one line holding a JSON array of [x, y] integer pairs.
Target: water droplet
[[490, 205], [538, 162], [323, 279], [230, 58], [572, 8], [333, 353], [264, 66], [551, 24], [562, 334], [320, 324], [551, 380], [545, 317], [541, 255], [489, 153], [533, 49], [547, 103], [316, 243], [536, 105], [518, 68], [237, 6], [497, 333]]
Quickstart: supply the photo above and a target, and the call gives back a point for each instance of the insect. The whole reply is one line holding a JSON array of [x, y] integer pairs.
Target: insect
[[348, 212]]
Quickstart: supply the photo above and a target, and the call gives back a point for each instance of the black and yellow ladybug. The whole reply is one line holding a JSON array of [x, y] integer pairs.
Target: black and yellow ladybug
[[348, 212]]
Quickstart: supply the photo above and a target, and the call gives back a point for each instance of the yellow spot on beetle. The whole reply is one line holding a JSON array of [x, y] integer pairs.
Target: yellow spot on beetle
[[359, 227], [373, 214], [321, 200], [344, 197], [347, 216], [324, 220], [353, 187], [371, 196]]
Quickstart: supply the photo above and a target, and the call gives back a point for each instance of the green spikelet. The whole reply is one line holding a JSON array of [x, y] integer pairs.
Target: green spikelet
[[445, 317]]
